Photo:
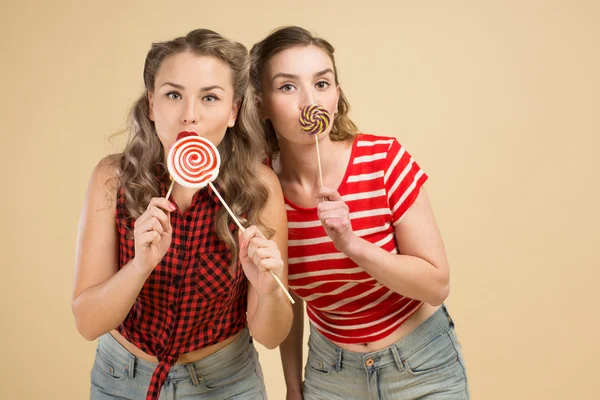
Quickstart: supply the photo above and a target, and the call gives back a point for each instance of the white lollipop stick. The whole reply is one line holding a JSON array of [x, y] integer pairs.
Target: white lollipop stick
[[170, 189], [281, 285], [319, 160], [194, 162]]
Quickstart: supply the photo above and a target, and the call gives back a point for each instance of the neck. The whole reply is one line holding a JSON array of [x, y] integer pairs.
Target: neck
[[298, 163]]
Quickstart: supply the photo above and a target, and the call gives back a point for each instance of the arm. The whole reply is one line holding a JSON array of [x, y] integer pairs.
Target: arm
[[291, 352], [420, 272], [269, 310], [103, 294]]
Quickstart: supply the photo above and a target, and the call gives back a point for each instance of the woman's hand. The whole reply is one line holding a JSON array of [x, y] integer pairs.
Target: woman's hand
[[335, 218], [258, 256], [153, 233]]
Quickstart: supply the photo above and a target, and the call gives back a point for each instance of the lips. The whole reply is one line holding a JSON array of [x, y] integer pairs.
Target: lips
[[183, 134]]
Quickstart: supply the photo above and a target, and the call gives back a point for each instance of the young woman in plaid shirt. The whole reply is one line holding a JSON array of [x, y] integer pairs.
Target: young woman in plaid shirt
[[165, 285]]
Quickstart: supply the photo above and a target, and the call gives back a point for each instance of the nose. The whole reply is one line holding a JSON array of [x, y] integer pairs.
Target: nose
[[307, 98], [189, 113]]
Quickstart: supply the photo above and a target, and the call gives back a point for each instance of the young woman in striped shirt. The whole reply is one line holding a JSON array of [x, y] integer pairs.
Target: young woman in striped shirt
[[365, 253]]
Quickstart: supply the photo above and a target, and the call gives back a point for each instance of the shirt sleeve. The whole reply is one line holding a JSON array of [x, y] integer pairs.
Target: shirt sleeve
[[403, 179]]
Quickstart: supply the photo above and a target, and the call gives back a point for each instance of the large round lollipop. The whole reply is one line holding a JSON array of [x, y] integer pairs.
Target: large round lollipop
[[315, 120], [194, 162]]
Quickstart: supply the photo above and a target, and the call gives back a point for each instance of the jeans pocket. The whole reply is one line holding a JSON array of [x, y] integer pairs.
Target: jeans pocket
[[438, 355], [318, 364], [104, 366], [237, 370]]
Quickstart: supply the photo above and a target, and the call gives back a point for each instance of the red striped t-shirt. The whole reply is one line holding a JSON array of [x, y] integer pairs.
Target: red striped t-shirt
[[343, 301]]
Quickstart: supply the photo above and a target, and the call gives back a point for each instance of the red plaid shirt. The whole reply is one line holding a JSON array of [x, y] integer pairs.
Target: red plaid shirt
[[190, 300]]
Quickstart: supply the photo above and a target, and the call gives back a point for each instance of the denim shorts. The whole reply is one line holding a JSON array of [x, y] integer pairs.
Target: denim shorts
[[231, 373], [425, 364]]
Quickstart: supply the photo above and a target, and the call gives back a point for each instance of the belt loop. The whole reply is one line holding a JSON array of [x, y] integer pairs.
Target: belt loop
[[192, 372], [397, 358], [338, 361], [131, 366], [448, 315]]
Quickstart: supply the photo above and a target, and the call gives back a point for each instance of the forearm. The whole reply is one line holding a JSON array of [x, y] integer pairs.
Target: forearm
[[102, 307], [291, 349], [407, 275], [271, 321]]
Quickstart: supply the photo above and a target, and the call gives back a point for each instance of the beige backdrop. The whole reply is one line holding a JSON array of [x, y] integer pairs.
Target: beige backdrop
[[497, 100]]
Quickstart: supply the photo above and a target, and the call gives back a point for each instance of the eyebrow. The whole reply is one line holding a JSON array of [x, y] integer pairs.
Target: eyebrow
[[204, 89], [292, 76]]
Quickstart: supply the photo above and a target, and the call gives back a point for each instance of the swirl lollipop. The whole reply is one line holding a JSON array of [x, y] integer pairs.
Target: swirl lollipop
[[315, 120], [194, 162]]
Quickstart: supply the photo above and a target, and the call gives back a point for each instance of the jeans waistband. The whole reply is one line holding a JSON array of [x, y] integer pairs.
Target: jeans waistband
[[112, 349], [437, 324]]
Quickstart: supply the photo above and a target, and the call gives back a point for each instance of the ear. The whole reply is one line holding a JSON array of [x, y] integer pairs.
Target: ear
[[151, 106], [233, 115]]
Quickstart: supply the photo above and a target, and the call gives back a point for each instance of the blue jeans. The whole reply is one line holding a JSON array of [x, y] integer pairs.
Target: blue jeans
[[425, 364], [231, 373]]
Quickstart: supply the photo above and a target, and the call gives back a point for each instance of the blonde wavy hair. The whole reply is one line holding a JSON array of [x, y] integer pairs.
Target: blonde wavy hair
[[242, 149], [282, 39]]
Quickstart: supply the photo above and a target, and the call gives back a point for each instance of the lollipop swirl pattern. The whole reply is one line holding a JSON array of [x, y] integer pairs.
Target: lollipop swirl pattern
[[193, 162], [314, 119]]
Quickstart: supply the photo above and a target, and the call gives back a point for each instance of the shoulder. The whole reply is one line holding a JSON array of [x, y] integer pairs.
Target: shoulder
[[366, 143], [108, 167], [270, 179], [368, 138], [374, 151], [275, 206], [272, 214], [104, 181]]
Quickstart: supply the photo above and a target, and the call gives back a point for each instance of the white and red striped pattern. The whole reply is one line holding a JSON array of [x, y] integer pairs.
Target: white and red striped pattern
[[193, 161], [343, 301]]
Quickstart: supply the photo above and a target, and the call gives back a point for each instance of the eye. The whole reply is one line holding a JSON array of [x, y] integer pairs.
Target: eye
[[322, 84], [287, 87], [174, 96], [210, 98]]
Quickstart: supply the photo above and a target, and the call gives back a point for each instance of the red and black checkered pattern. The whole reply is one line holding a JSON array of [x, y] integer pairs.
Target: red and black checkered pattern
[[190, 300]]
